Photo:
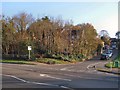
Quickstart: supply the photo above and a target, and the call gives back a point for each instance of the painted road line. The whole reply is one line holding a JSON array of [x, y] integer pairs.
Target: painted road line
[[66, 68], [112, 74], [100, 79], [15, 78], [19, 79], [91, 65], [46, 84], [66, 87], [38, 83], [45, 75]]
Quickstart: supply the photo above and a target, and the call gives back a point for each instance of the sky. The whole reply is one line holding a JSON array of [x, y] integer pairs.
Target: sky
[[102, 15]]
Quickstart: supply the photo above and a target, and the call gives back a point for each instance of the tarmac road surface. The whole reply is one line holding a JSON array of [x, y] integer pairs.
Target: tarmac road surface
[[70, 76]]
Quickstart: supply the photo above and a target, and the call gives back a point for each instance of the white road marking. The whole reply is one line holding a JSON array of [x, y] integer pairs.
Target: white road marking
[[45, 75], [16, 78], [42, 75], [36, 82], [90, 65], [88, 77], [111, 74], [66, 68], [66, 87], [105, 62], [43, 84]]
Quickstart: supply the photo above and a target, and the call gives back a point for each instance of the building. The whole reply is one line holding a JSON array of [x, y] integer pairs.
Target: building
[[113, 43]]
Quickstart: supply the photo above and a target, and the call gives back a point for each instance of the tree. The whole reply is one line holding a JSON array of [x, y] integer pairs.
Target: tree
[[8, 34], [105, 37], [47, 36], [22, 22], [88, 40], [14, 34], [104, 33]]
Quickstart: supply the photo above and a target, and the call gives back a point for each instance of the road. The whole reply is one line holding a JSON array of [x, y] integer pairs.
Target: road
[[80, 75]]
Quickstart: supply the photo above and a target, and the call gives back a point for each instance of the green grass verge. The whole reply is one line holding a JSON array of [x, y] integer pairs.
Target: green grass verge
[[114, 63], [43, 60], [52, 61], [110, 64], [17, 62]]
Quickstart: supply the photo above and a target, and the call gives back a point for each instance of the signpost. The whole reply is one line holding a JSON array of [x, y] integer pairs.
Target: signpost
[[29, 49]]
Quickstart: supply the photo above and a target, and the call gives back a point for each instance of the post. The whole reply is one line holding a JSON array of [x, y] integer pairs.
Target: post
[[29, 49], [29, 54]]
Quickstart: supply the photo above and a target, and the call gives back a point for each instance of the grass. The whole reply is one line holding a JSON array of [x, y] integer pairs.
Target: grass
[[56, 60], [43, 60], [52, 61], [112, 63], [17, 62]]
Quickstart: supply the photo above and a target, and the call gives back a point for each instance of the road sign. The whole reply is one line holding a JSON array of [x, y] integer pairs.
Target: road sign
[[29, 48]]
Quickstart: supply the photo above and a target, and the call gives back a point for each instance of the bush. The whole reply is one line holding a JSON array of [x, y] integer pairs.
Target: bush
[[57, 56], [15, 57], [65, 58], [51, 61], [76, 57], [38, 55], [68, 58]]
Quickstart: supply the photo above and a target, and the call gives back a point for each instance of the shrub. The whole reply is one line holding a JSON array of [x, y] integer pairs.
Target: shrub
[[51, 61]]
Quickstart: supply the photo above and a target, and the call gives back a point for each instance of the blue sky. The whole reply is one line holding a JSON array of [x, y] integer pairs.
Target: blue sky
[[102, 15]]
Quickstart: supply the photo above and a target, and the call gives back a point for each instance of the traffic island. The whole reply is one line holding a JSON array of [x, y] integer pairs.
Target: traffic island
[[113, 64], [108, 71]]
